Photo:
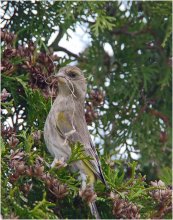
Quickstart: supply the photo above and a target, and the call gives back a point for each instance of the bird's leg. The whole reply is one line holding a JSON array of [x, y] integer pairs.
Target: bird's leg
[[58, 163], [83, 178]]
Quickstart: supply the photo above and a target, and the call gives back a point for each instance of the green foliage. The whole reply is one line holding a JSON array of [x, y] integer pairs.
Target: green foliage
[[166, 175], [102, 23], [78, 153], [133, 125]]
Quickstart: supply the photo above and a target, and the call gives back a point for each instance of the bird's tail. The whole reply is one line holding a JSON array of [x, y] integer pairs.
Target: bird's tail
[[94, 210]]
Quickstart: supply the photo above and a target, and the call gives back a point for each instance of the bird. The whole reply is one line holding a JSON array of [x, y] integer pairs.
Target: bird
[[66, 125]]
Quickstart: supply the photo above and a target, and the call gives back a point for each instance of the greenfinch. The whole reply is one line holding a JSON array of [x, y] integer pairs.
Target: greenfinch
[[66, 124]]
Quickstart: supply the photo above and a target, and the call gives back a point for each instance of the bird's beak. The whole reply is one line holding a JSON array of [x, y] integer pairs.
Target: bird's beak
[[61, 78]]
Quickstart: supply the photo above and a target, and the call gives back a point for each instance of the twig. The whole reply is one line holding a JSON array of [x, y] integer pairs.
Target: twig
[[58, 48]]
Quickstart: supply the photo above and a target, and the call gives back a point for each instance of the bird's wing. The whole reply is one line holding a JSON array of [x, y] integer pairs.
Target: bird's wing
[[70, 131], [66, 128], [98, 162]]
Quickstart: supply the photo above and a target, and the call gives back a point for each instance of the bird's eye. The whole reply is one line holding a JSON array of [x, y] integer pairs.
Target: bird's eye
[[71, 74]]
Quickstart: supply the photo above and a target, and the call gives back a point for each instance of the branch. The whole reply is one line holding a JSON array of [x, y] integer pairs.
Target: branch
[[58, 48], [58, 38], [159, 115], [132, 34]]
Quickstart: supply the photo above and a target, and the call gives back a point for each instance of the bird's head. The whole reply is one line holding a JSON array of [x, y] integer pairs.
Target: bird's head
[[71, 81]]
